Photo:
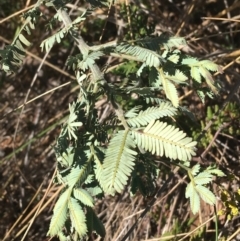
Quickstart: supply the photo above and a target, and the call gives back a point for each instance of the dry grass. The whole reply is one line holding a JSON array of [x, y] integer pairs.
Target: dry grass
[[29, 128]]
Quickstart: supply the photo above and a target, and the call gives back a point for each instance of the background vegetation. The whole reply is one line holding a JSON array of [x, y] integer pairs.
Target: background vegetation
[[27, 164]]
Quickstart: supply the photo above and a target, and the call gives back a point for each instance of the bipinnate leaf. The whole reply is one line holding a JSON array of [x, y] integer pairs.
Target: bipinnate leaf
[[59, 213], [203, 178], [206, 195], [201, 69], [152, 113], [192, 194], [118, 163], [77, 217], [83, 196], [162, 139]]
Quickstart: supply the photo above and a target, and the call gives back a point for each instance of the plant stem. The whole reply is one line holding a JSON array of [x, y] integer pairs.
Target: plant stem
[[82, 46]]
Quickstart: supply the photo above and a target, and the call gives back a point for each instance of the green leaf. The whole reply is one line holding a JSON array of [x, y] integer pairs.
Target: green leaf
[[174, 58], [98, 157], [66, 159], [77, 217], [49, 42], [169, 88], [83, 196], [195, 169], [189, 190], [209, 79], [202, 68], [175, 42], [203, 178], [71, 123], [59, 213], [77, 174], [24, 40], [118, 163], [165, 40], [154, 100], [133, 112], [160, 138], [209, 65], [89, 60], [62, 237], [201, 95], [13, 55], [215, 171], [138, 73], [190, 61], [192, 194], [19, 48], [151, 58], [196, 74], [144, 91], [94, 191], [150, 114], [89, 179], [206, 195], [178, 78]]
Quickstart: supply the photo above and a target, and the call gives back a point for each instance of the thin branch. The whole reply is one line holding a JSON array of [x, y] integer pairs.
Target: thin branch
[[82, 46]]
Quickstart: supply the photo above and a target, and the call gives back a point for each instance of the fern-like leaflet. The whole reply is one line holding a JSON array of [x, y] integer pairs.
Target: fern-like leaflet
[[59, 213], [150, 114], [149, 57], [77, 217], [14, 54], [162, 139], [118, 163]]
